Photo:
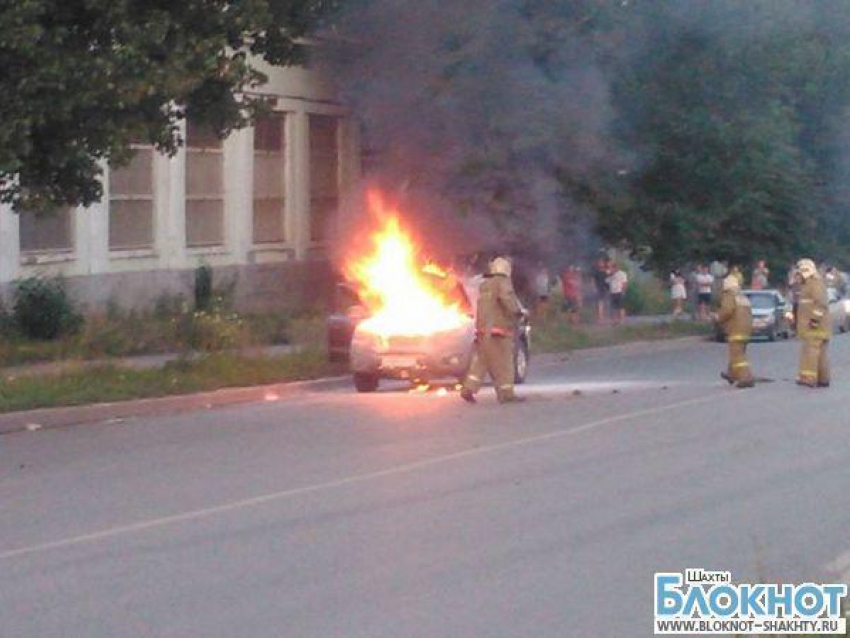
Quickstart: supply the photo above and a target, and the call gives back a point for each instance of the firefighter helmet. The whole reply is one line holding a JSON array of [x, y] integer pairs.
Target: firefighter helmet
[[500, 266], [731, 283], [807, 268]]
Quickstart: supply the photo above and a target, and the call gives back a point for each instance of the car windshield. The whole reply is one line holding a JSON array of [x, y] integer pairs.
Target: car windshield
[[761, 301]]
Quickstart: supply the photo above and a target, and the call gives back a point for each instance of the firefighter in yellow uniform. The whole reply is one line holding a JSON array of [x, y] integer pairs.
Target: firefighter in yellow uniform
[[495, 323], [736, 318], [813, 327]]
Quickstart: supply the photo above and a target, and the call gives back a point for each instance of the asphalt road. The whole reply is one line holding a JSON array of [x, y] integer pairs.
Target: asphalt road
[[412, 514]]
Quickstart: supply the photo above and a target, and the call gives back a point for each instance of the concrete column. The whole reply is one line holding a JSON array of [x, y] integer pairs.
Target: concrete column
[[10, 245], [171, 232], [349, 156], [238, 193], [298, 191], [96, 221]]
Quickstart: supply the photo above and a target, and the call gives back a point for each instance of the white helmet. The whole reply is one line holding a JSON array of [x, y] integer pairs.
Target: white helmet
[[500, 266], [731, 283], [807, 268]]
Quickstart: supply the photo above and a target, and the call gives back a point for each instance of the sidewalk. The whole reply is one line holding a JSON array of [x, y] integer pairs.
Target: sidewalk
[[142, 362]]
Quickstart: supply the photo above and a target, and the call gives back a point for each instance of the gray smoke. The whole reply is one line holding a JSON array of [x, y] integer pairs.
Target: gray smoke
[[476, 110]]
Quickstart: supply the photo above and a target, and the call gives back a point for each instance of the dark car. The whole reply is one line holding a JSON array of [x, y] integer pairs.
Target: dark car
[[772, 315], [348, 311]]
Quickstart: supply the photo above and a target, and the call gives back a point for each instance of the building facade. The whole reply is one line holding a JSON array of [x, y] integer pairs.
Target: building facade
[[258, 207]]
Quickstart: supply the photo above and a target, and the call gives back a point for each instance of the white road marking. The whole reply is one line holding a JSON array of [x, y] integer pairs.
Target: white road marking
[[309, 489]]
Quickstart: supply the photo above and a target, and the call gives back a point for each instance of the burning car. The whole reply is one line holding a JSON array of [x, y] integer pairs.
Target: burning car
[[415, 321]]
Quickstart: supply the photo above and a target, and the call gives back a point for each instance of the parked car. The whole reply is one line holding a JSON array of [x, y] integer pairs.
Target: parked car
[[839, 311], [418, 359], [772, 315], [348, 311]]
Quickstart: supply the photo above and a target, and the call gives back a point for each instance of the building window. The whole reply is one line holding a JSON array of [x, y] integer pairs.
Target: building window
[[269, 172], [131, 202], [324, 173], [204, 187], [48, 232]]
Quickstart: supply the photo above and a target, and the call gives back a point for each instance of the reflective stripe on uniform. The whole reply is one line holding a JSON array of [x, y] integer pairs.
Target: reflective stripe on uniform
[[472, 377], [509, 385], [741, 364], [737, 338], [809, 373]]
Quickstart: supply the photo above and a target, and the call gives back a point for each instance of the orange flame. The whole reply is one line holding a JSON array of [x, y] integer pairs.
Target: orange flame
[[401, 291]]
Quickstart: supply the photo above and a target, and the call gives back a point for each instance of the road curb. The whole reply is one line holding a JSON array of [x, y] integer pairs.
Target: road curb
[[48, 418]]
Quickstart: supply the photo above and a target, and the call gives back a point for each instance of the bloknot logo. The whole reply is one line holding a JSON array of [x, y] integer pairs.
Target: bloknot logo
[[699, 601]]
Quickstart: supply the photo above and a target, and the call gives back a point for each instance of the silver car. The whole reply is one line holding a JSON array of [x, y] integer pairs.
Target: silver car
[[421, 359]]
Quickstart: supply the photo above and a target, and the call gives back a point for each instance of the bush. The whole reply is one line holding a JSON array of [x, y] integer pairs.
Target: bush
[[211, 331], [203, 288], [42, 309], [646, 296], [7, 323]]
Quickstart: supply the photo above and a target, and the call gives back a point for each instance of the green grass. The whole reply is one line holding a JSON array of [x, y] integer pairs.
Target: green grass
[[557, 335], [108, 383], [80, 384], [134, 334]]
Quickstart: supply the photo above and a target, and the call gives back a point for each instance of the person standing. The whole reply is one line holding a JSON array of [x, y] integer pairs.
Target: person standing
[[736, 318], [496, 318], [572, 289], [541, 290], [678, 293], [718, 270], [761, 276], [705, 286], [617, 282], [813, 327], [735, 272], [600, 280]]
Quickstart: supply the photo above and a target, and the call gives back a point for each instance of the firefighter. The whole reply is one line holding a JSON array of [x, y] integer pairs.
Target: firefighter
[[495, 323], [813, 327], [736, 318]]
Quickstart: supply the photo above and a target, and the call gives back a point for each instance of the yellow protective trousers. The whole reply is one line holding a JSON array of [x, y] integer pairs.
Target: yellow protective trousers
[[494, 356], [814, 361], [739, 366]]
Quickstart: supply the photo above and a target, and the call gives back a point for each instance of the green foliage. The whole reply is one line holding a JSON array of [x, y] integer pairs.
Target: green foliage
[[215, 329], [81, 80], [557, 334], [7, 321], [108, 383], [739, 125], [43, 310], [203, 288], [646, 296]]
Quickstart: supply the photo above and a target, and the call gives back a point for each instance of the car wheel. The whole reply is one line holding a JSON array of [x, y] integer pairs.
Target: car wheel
[[521, 363], [771, 336], [846, 325], [365, 382]]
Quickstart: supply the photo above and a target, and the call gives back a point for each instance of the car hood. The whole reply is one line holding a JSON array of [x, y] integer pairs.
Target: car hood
[[434, 343]]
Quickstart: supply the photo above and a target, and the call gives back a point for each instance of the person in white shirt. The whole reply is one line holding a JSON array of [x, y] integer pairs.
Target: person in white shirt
[[705, 285], [678, 293], [617, 282]]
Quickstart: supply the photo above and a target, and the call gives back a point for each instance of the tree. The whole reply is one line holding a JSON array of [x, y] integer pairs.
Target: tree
[[82, 79], [735, 113]]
